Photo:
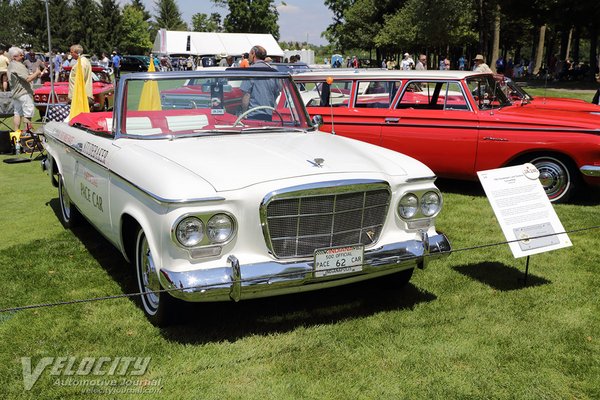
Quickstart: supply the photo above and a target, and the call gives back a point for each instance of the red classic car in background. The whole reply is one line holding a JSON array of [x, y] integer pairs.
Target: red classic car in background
[[102, 84], [457, 123]]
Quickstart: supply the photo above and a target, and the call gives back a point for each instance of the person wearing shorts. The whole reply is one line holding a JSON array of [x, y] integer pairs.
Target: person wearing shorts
[[20, 81]]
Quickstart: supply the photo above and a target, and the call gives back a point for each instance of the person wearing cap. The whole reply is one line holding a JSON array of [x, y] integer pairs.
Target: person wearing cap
[[116, 64], [407, 62], [480, 65]]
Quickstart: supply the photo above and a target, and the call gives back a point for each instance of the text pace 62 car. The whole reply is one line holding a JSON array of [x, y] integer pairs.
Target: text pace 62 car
[[220, 203]]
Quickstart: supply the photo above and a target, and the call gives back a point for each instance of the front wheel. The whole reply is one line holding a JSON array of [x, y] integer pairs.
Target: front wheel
[[557, 177], [69, 214], [159, 307]]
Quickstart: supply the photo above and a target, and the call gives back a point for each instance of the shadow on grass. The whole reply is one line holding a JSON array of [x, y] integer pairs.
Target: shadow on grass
[[501, 276], [215, 322]]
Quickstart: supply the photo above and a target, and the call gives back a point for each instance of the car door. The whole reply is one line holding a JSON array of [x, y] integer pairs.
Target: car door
[[434, 122], [351, 108], [90, 180]]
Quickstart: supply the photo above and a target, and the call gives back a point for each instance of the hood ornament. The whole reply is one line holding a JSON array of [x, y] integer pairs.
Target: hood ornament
[[317, 162]]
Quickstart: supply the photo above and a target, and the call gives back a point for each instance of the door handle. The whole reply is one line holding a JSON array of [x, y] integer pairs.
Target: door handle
[[392, 120]]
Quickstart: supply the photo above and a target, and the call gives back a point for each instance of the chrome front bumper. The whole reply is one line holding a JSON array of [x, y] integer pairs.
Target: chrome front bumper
[[237, 282]]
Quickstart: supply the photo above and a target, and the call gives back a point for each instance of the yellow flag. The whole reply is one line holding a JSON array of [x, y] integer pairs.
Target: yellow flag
[[79, 102], [150, 97]]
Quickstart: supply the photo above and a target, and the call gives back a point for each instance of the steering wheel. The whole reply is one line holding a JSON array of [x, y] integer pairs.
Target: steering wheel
[[242, 115]]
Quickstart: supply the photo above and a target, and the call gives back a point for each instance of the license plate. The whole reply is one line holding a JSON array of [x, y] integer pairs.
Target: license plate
[[338, 260]]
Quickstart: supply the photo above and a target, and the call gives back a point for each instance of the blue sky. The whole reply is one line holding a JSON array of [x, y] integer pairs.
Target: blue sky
[[298, 19]]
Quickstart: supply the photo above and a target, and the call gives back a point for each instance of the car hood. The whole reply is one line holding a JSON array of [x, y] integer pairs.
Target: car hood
[[547, 118], [230, 162], [557, 103]]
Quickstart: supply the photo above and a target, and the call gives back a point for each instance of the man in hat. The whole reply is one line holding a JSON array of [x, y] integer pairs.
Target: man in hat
[[116, 64], [480, 65], [407, 62]]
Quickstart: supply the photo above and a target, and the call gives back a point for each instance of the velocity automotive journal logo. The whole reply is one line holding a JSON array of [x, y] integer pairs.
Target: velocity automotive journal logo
[[115, 371]]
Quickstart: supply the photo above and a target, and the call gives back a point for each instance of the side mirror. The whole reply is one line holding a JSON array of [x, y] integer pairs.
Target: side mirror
[[317, 121]]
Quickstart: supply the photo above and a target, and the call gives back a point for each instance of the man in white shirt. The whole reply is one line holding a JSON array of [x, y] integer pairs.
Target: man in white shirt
[[407, 63]]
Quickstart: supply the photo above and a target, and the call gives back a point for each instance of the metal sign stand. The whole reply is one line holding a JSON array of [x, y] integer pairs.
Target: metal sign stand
[[526, 271]]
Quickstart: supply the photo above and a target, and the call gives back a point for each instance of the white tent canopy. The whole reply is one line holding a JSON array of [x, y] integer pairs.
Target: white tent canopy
[[213, 43]]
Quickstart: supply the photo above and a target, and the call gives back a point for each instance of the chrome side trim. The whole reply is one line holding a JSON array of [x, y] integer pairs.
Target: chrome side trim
[[272, 278], [422, 179], [590, 170]]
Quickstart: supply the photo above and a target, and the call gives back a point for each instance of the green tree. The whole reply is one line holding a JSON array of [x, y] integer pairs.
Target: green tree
[[205, 23], [84, 22], [59, 31], [251, 16], [31, 18], [110, 21], [135, 38], [169, 16], [10, 33], [139, 4]]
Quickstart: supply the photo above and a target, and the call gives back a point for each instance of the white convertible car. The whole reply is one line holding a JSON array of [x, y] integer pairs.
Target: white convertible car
[[217, 186]]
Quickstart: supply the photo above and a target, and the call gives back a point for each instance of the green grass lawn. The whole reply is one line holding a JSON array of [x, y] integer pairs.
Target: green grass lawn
[[466, 327]]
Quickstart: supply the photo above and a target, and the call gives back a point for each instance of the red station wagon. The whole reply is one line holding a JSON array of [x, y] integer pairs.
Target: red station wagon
[[457, 123]]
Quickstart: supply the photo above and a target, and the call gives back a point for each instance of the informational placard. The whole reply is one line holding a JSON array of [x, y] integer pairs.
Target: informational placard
[[523, 210]]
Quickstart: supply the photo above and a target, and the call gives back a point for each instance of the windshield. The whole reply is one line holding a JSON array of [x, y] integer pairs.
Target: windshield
[[513, 91], [210, 104], [487, 92]]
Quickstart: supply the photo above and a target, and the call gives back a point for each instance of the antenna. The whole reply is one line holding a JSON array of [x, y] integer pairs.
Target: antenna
[[52, 97]]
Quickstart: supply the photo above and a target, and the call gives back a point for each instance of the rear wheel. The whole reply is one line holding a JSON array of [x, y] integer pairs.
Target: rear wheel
[[69, 214], [159, 307], [557, 176]]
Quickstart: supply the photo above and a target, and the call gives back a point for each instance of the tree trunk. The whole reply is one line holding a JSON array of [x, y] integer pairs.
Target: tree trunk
[[496, 45], [568, 44], [540, 50], [593, 49]]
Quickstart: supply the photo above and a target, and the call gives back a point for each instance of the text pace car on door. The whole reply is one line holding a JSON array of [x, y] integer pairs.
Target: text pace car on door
[[458, 123], [220, 203]]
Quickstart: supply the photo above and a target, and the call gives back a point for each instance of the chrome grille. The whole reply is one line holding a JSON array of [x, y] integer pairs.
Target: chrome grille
[[299, 222]]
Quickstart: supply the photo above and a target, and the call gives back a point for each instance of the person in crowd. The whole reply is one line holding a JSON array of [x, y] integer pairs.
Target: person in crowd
[[22, 92], [116, 64], [104, 60], [33, 63], [223, 60], [157, 63], [259, 92], [462, 63], [480, 65], [422, 63], [66, 60], [500, 65], [407, 63], [245, 63], [86, 68], [384, 64], [57, 64], [596, 99], [355, 62], [94, 58], [4, 61]]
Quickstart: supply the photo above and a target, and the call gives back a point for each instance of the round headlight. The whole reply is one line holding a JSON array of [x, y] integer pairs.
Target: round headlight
[[219, 228], [190, 231], [430, 203], [407, 207]]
